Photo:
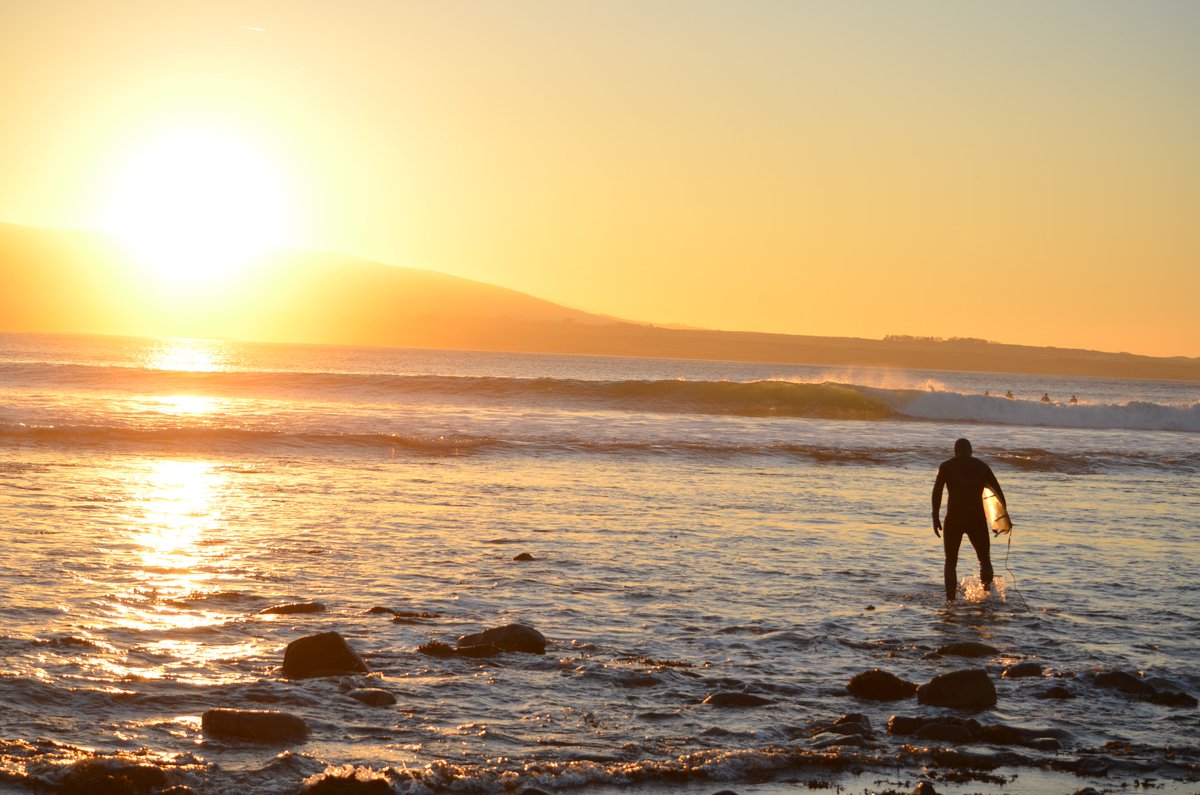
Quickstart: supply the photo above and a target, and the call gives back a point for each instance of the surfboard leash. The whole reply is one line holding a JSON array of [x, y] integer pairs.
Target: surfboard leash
[[1016, 590]]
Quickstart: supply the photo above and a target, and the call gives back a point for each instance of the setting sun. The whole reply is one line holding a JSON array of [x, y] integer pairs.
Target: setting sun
[[194, 205]]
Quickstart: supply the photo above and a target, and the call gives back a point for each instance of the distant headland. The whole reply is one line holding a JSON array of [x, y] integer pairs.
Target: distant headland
[[59, 281]]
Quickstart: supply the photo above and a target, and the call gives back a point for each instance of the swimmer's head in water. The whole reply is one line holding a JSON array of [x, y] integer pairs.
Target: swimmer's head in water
[[962, 447]]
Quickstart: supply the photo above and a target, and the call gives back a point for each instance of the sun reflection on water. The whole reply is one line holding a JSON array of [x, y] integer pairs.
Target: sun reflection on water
[[179, 507], [188, 355]]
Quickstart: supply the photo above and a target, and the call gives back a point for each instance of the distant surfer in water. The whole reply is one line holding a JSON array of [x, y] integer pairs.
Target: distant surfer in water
[[965, 476]]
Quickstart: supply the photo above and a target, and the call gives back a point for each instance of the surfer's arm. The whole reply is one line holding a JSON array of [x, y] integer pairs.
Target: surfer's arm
[[938, 485]]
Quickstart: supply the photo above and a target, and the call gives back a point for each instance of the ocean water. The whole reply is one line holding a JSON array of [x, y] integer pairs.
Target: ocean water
[[697, 528]]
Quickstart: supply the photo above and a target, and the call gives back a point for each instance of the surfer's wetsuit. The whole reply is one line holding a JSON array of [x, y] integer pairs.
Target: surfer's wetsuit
[[965, 476]]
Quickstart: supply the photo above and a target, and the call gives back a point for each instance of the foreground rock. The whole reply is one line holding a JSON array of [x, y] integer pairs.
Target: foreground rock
[[878, 685], [511, 637], [292, 608], [969, 689], [323, 654], [261, 725]]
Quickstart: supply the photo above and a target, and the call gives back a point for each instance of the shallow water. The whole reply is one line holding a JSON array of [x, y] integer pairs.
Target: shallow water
[[683, 546]]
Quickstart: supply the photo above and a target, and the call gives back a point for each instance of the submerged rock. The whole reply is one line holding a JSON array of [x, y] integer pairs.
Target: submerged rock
[[511, 637], [262, 725], [323, 654], [1172, 698], [1022, 670], [969, 689], [380, 610], [1060, 692], [967, 648], [1126, 683], [1132, 685], [524, 556], [727, 700], [373, 696], [292, 608], [878, 685]]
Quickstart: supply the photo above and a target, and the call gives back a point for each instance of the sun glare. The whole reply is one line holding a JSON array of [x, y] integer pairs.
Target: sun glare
[[194, 206]]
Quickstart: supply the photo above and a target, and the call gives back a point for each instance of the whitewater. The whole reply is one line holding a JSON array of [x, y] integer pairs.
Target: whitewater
[[696, 528]]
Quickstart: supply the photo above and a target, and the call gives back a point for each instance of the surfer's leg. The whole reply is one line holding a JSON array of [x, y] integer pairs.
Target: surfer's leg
[[951, 540], [979, 539]]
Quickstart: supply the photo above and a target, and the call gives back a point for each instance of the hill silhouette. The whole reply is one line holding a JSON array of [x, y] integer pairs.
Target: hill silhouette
[[60, 281]]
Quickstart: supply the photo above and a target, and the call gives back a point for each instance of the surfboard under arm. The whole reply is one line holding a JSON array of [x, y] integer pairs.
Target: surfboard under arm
[[997, 514]]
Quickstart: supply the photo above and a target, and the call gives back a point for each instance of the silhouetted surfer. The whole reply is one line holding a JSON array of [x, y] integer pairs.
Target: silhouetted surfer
[[965, 476]]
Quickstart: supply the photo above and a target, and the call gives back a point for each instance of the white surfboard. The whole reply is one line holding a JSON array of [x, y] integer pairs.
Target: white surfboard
[[996, 513]]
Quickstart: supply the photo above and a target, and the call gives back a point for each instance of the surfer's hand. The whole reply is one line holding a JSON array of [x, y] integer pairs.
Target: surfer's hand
[[937, 528]]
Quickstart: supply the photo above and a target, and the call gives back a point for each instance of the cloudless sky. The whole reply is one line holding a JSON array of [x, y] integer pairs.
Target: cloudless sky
[[1019, 171]]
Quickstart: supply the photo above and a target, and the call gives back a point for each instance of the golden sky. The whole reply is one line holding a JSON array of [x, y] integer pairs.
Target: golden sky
[[1026, 172]]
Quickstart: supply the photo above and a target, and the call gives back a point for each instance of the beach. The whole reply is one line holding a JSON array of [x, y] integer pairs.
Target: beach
[[695, 528]]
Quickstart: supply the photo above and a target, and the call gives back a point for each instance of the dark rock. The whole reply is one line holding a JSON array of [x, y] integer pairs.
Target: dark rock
[[323, 654], [292, 609], [479, 650], [999, 734], [372, 696], [837, 741], [1059, 692], [532, 791], [869, 607], [969, 689], [1172, 698], [925, 788], [1087, 791], [377, 610], [268, 726], [435, 648], [1126, 683], [637, 680], [411, 616], [511, 637], [955, 733], [967, 648], [854, 719], [726, 699], [877, 685], [1045, 744], [725, 792], [524, 556], [178, 789], [1023, 669], [904, 726]]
